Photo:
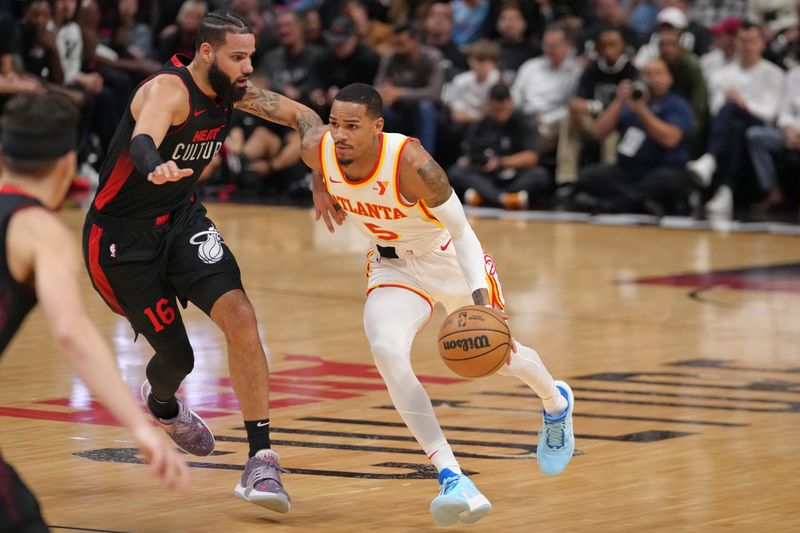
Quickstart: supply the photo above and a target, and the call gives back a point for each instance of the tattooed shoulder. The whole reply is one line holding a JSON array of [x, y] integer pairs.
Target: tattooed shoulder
[[436, 180]]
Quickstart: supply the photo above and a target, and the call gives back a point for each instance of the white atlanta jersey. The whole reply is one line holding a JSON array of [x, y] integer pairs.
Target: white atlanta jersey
[[375, 203], [426, 262]]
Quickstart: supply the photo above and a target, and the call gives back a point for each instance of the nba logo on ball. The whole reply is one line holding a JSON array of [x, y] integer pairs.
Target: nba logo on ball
[[209, 245], [474, 341]]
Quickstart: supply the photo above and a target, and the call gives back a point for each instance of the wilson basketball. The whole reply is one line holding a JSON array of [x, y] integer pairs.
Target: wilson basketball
[[474, 341]]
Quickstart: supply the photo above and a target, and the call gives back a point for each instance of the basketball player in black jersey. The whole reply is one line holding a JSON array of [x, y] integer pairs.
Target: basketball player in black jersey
[[147, 240], [39, 260]]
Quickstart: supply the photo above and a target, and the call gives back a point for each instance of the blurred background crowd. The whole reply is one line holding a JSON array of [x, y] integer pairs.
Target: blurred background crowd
[[605, 106]]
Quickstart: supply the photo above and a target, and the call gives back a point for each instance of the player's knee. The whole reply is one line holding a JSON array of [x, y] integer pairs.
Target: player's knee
[[235, 312], [391, 358]]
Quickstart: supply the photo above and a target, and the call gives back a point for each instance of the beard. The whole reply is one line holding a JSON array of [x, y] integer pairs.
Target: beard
[[223, 86], [345, 162]]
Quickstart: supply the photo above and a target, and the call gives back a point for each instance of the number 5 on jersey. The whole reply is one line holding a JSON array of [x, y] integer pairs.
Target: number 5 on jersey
[[382, 233]]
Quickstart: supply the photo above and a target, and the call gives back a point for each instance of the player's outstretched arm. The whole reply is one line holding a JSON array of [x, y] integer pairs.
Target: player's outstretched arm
[[421, 178], [43, 250], [159, 104], [277, 108]]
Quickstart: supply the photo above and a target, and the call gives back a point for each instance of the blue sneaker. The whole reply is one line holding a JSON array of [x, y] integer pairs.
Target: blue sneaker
[[556, 439], [458, 499]]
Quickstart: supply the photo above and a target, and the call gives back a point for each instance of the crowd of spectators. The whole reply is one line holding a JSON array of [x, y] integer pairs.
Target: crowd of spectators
[[665, 107]]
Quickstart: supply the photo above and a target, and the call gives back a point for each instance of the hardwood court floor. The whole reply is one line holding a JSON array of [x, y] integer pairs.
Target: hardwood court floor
[[687, 386]]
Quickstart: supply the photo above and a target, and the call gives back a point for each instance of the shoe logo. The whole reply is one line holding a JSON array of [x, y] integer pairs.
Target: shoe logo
[[199, 112], [113, 250], [330, 178], [262, 424], [210, 250], [381, 187], [443, 248]]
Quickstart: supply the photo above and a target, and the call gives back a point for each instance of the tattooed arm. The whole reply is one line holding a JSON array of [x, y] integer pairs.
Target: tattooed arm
[[423, 180], [276, 108]]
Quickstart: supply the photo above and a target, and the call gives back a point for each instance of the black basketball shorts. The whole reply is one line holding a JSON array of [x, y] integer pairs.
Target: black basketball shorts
[[141, 267]]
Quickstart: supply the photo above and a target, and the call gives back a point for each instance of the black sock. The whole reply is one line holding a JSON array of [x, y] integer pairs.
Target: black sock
[[257, 435], [164, 410]]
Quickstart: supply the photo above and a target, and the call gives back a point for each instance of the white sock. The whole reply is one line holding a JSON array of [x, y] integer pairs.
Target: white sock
[[527, 366], [441, 455]]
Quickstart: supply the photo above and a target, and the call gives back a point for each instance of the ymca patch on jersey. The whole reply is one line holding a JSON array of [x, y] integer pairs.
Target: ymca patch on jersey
[[209, 245]]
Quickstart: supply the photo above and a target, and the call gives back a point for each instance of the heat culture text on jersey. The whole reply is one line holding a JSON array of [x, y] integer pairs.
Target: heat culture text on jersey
[[203, 146]]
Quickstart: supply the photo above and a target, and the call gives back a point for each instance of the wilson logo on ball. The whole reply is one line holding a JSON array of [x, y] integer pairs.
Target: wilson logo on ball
[[470, 343]]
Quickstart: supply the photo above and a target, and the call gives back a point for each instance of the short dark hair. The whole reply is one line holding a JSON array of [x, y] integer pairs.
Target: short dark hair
[[407, 26], [560, 27], [37, 116], [361, 93], [499, 92], [216, 25], [608, 28]]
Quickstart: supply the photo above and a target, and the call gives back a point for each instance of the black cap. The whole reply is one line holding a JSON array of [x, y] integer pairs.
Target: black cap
[[342, 28]]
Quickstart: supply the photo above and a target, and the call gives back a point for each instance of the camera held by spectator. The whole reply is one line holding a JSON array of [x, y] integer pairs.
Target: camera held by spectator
[[639, 91]]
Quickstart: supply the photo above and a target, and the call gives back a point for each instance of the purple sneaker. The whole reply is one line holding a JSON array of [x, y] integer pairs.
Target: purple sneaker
[[261, 482], [187, 430]]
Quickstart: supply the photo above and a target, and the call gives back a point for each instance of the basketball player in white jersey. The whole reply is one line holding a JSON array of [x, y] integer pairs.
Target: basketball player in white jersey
[[423, 251]]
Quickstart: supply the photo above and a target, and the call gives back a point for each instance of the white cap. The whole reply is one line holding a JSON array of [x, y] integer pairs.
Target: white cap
[[674, 17]]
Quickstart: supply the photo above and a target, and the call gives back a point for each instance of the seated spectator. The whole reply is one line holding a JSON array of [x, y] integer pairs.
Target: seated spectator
[[649, 175], [465, 98], [437, 27], [767, 143], [130, 34], [263, 158], [776, 16], [410, 79], [724, 52], [499, 168], [744, 94], [38, 46], [312, 27], [179, 38], [467, 95], [372, 33], [693, 37], [778, 20], [597, 88], [687, 81], [287, 68], [120, 73], [609, 14], [469, 18], [344, 61], [515, 47], [11, 82], [99, 115], [544, 85]]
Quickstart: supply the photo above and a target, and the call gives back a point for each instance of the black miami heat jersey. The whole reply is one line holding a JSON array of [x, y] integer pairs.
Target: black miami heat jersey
[[125, 192], [16, 300]]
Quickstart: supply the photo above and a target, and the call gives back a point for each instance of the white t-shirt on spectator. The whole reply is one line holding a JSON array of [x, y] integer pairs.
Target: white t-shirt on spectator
[[70, 49], [714, 61], [543, 91], [761, 87], [466, 95], [790, 107]]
